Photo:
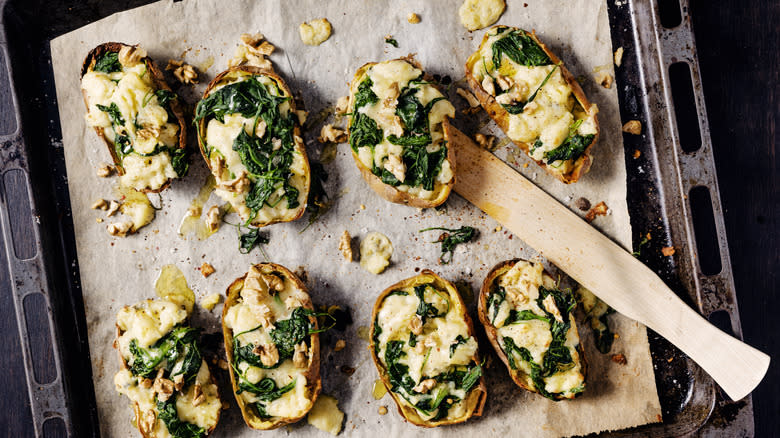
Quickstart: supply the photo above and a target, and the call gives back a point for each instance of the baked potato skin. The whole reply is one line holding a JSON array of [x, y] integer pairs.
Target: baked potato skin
[[137, 408], [387, 191], [159, 82], [501, 116], [478, 395], [492, 332], [296, 130], [312, 373]]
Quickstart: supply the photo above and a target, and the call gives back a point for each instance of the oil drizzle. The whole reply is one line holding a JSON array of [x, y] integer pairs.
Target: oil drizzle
[[172, 286], [379, 390], [362, 333]]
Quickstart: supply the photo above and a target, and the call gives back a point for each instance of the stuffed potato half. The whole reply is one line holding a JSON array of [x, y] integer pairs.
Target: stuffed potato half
[[397, 132], [136, 115], [272, 346], [163, 373], [530, 323], [249, 135], [535, 100], [424, 348]]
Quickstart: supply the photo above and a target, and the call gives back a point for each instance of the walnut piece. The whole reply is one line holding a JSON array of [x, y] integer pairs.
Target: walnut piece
[[470, 98], [129, 55], [148, 421], [488, 86], [162, 386], [416, 325], [206, 269], [300, 356], [599, 209], [342, 104], [178, 382], [268, 353], [425, 386], [345, 246], [486, 142], [239, 184], [633, 127], [331, 134], [100, 204], [252, 40], [119, 229], [274, 282], [263, 313], [183, 72], [549, 305], [198, 396], [340, 345], [395, 166], [213, 219], [113, 207], [145, 383], [105, 170], [413, 18]]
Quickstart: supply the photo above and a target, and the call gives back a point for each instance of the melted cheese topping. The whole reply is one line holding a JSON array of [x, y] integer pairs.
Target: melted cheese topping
[[132, 90], [389, 78], [220, 137], [521, 284], [478, 14], [431, 355], [244, 316], [375, 252], [549, 117], [147, 322], [326, 416]]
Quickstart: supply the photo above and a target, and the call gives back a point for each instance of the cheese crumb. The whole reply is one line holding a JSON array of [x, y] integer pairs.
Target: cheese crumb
[[413, 18], [478, 14], [315, 32], [633, 127], [325, 415], [375, 252], [206, 269], [618, 56]]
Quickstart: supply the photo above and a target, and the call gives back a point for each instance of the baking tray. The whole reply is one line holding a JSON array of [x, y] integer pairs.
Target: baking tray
[[37, 229]]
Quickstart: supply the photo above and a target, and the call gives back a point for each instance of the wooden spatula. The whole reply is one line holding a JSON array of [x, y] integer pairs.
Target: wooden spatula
[[602, 266]]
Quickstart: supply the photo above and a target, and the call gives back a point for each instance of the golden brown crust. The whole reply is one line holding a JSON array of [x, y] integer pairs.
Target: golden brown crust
[[492, 333], [137, 408], [476, 397], [299, 146], [312, 374], [159, 82], [501, 116], [389, 192]]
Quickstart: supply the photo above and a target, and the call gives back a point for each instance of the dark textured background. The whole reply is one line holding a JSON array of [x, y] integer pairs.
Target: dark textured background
[[738, 53]]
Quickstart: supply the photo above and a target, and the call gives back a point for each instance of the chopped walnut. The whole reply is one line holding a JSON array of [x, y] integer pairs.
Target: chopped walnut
[[274, 282], [345, 246], [213, 219], [184, 73], [395, 166], [504, 82], [178, 382], [470, 98], [342, 104], [263, 314], [113, 207], [129, 55], [105, 170], [667, 251], [291, 302], [145, 383], [331, 134], [148, 421], [268, 353], [239, 184], [206, 269], [148, 133], [599, 209], [300, 356], [633, 127], [425, 386], [516, 295], [119, 229], [198, 396], [340, 345], [416, 325], [252, 40], [413, 18], [604, 78], [100, 204], [618, 56], [488, 86], [162, 386], [247, 55], [549, 305], [513, 95], [486, 142], [619, 359]]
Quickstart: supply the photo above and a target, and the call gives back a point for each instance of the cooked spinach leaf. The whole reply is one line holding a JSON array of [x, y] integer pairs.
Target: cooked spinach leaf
[[523, 315], [520, 48], [410, 140], [250, 98], [536, 371], [392, 42], [518, 107], [164, 96], [108, 62], [365, 95], [364, 132], [459, 340], [318, 202], [113, 113], [398, 372], [497, 296], [452, 238], [166, 411], [247, 241], [571, 148], [375, 336], [428, 310], [178, 349], [291, 332], [602, 334]]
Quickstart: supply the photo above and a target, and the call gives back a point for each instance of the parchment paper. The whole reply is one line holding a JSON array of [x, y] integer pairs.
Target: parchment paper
[[117, 271]]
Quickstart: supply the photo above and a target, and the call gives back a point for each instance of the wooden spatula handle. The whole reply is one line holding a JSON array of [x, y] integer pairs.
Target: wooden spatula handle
[[602, 266]]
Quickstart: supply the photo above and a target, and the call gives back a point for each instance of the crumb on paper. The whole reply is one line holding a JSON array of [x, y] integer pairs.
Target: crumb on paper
[[619, 359], [382, 410], [362, 206], [206, 269], [604, 78], [637, 153], [331, 134], [413, 18], [486, 142], [213, 218], [105, 170], [375, 252], [119, 229], [315, 32], [470, 98], [633, 127], [345, 246], [340, 344], [210, 301], [342, 105], [667, 251], [498, 228], [99, 220], [478, 14], [100, 204], [599, 209], [325, 415], [618, 56], [183, 72]]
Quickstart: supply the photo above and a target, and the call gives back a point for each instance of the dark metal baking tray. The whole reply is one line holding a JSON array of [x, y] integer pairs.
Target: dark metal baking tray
[[40, 245]]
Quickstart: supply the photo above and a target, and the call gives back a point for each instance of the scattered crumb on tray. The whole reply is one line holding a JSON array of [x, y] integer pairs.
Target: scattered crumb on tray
[[210, 301], [633, 127], [618, 56], [478, 14], [315, 32], [667, 251], [599, 209], [206, 269]]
